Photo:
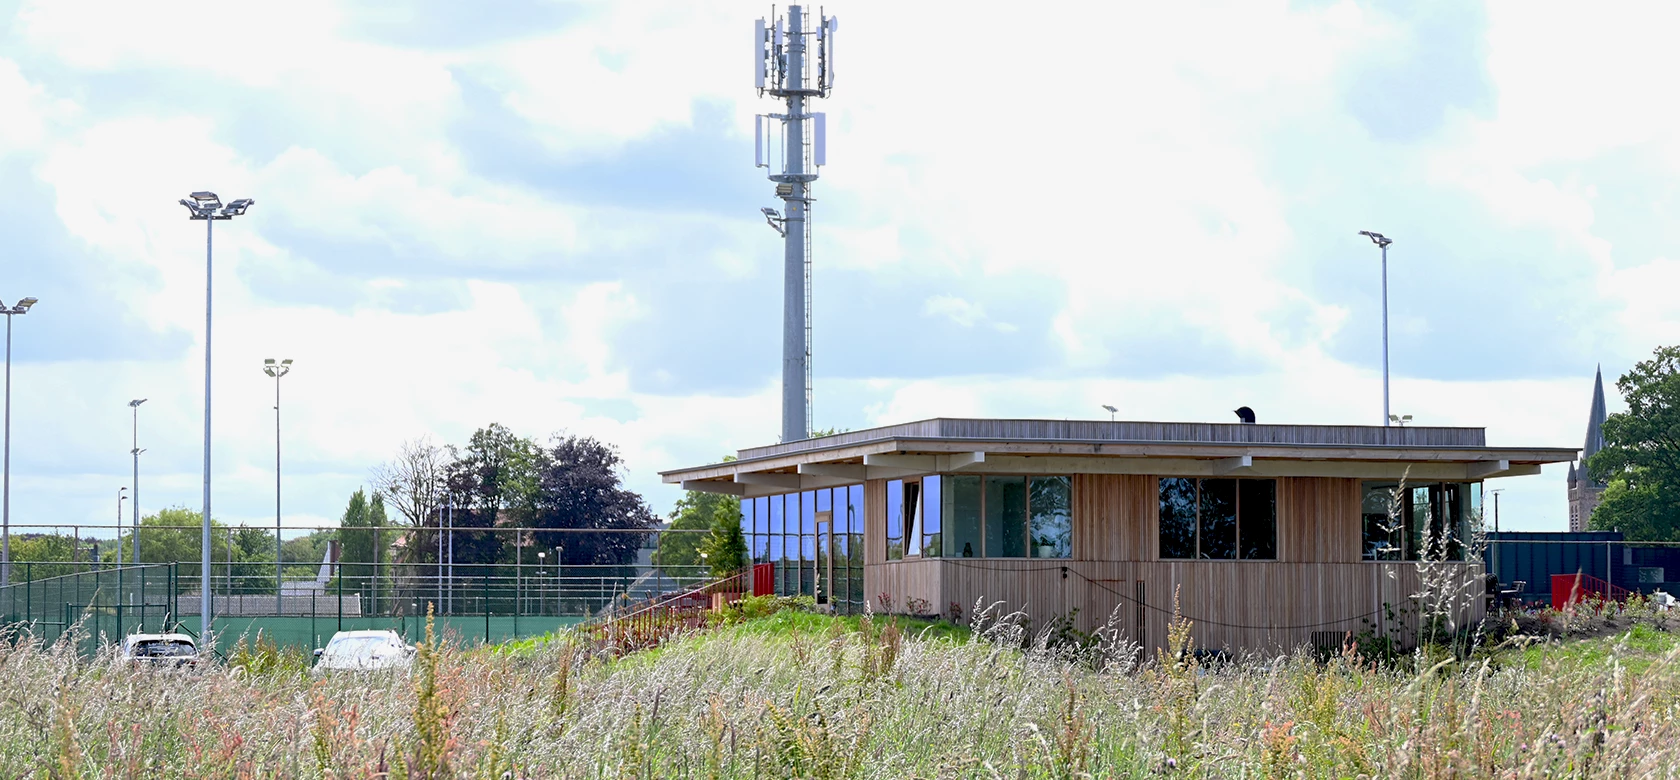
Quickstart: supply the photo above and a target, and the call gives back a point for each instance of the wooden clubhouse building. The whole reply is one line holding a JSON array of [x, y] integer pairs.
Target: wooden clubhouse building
[[1268, 536]]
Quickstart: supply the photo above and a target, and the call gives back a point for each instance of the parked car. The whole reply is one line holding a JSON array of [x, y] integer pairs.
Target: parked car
[[363, 651], [165, 650]]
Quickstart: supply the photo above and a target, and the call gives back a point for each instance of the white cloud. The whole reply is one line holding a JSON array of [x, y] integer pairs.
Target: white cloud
[[1130, 164]]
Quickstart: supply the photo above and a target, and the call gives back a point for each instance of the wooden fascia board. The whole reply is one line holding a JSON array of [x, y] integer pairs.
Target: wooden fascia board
[[1196, 467], [1270, 451]]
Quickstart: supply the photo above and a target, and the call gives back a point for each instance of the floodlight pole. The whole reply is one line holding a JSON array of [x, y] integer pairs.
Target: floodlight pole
[[277, 370], [22, 307], [1385, 328], [204, 615], [1382, 243], [208, 207], [6, 480], [134, 538]]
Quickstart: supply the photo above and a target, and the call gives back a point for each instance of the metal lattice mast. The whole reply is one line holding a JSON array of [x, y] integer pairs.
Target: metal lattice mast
[[794, 64]]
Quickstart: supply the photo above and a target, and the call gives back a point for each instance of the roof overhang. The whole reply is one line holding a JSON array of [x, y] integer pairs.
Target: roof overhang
[[888, 454]]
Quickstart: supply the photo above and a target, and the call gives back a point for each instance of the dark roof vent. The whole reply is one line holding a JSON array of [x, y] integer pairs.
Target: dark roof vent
[[1246, 415]]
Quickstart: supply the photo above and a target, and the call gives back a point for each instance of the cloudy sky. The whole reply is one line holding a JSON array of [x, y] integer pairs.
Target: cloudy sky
[[547, 216]]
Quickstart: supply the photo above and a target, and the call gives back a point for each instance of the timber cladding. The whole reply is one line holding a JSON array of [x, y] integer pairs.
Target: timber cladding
[[1248, 605], [1317, 587]]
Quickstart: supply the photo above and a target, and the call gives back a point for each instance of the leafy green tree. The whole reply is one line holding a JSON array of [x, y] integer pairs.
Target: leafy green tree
[[174, 535], [679, 553], [45, 555], [494, 481], [304, 553], [1640, 460], [725, 547]]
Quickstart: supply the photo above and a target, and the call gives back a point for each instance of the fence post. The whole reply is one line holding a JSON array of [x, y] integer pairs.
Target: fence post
[[486, 598], [340, 601]]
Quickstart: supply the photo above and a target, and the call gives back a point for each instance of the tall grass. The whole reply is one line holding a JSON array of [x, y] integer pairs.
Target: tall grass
[[837, 699]]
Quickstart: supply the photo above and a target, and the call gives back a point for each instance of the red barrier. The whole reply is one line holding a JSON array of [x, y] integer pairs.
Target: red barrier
[[763, 579], [1575, 588]]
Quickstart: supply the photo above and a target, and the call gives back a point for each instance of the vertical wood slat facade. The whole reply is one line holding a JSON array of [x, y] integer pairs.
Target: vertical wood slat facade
[[1317, 585]]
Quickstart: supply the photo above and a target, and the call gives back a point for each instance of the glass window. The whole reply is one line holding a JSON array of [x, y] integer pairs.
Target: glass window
[[1218, 520], [1052, 517], [931, 506], [913, 517], [1421, 519], [825, 501], [1431, 520], [854, 529], [775, 527], [962, 515], [1178, 517], [1383, 511], [1006, 517], [1257, 518], [895, 519], [807, 526]]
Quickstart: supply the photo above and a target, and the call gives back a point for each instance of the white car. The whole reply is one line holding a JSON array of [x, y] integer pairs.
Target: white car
[[173, 650], [363, 651]]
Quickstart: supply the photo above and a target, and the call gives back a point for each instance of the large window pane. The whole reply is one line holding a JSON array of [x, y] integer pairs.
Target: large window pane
[[1052, 517], [1006, 517], [962, 515], [825, 502], [913, 517], [1218, 516], [807, 526], [895, 519], [931, 521], [1257, 518], [1421, 522], [1178, 517], [776, 527], [1383, 540]]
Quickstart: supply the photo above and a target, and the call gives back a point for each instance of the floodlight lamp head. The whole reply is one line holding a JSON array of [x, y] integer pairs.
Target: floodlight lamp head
[[206, 199], [1377, 238], [136, 402], [237, 208], [1111, 410]]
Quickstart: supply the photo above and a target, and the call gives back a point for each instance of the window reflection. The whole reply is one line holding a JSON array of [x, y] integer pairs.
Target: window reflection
[[1052, 517], [1218, 519]]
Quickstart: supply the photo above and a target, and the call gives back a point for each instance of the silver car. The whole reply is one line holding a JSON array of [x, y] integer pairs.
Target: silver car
[[363, 651]]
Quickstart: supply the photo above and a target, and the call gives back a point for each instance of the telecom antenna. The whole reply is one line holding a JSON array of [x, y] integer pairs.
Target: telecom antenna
[[792, 145]]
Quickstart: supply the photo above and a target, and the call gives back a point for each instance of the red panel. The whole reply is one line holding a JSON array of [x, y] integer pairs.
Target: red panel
[[763, 579]]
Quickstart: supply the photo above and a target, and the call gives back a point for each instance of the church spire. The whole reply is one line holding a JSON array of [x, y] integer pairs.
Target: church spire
[[1595, 422]]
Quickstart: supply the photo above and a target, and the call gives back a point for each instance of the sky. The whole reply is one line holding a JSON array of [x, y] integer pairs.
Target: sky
[[546, 215]]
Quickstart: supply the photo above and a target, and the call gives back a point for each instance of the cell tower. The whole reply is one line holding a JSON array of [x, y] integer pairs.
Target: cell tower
[[791, 145]]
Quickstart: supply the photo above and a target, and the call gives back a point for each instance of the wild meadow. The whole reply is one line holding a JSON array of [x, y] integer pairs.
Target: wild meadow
[[1591, 693]]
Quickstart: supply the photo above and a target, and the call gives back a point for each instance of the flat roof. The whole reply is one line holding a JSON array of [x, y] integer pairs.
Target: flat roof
[[1118, 447]]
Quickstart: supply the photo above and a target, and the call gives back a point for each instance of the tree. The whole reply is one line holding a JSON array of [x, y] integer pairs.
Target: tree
[[45, 554], [726, 547], [175, 535], [695, 511], [579, 487], [493, 482], [358, 551], [1640, 460], [413, 483]]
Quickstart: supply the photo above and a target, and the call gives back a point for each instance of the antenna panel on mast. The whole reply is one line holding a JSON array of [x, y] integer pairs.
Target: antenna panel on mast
[[758, 140], [759, 54], [819, 140]]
